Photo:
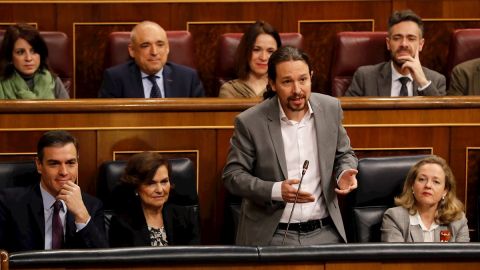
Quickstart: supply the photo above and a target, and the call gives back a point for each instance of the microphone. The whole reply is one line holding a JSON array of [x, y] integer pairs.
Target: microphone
[[304, 170]]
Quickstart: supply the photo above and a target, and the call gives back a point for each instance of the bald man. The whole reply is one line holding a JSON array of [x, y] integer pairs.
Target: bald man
[[148, 74]]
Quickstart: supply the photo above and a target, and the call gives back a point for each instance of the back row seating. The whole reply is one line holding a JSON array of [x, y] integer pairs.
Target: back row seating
[[59, 58], [351, 50]]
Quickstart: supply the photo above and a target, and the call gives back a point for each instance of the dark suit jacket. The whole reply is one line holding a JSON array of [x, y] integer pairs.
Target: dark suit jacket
[[256, 161], [22, 222], [376, 80], [465, 79], [125, 81], [128, 227]]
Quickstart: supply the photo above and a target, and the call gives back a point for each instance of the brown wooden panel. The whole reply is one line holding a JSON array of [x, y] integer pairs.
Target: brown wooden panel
[[465, 161], [206, 36], [88, 63], [318, 37], [358, 266], [437, 40]]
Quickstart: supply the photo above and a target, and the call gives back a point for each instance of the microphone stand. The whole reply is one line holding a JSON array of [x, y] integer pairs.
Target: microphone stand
[[304, 170]]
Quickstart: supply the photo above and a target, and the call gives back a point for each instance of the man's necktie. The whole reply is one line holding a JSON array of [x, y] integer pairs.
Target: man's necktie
[[404, 89], [155, 93], [57, 226]]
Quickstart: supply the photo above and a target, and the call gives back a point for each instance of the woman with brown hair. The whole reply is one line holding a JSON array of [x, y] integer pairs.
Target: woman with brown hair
[[24, 73], [251, 62], [145, 217], [428, 209]]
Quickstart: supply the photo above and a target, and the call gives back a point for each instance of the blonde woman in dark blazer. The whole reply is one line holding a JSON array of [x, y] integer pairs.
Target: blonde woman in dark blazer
[[428, 209]]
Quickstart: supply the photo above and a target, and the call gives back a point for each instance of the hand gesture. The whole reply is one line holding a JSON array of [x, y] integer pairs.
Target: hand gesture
[[414, 67], [72, 196], [289, 192], [347, 182]]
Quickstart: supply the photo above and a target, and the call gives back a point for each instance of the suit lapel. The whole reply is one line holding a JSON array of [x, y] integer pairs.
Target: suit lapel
[[274, 129], [35, 206], [320, 130], [384, 81], [416, 233], [167, 81], [136, 77], [476, 80]]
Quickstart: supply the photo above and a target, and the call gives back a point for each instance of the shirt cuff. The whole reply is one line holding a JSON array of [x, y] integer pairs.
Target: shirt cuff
[[277, 192], [423, 88], [340, 175], [80, 226]]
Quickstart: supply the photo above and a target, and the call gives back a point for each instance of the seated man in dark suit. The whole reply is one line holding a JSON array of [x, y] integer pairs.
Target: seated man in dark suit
[[54, 213], [465, 79], [404, 75], [149, 74]]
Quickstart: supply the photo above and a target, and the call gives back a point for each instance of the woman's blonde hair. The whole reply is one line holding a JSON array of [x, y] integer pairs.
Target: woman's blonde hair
[[449, 208]]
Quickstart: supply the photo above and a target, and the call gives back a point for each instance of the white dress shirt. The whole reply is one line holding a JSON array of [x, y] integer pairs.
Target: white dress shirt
[[428, 234], [300, 144]]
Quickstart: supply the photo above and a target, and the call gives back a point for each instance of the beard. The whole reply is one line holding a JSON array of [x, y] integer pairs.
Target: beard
[[399, 62], [296, 108]]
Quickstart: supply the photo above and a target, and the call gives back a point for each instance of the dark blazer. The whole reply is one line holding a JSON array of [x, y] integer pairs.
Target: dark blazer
[[125, 81], [256, 161], [376, 80], [22, 222], [128, 227], [465, 79]]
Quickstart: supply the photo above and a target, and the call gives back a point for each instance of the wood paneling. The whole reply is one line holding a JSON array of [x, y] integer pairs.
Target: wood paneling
[[441, 17]]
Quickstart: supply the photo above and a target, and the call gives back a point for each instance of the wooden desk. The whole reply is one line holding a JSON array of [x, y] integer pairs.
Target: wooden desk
[[201, 128], [380, 256]]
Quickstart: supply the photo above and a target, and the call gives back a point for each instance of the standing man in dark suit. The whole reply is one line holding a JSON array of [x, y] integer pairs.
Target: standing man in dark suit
[[54, 213], [149, 74], [268, 148], [404, 75]]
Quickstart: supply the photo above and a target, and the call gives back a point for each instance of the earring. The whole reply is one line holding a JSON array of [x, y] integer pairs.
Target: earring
[[136, 193], [443, 197]]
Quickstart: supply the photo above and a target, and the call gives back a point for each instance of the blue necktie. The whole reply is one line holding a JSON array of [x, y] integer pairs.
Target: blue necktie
[[155, 92]]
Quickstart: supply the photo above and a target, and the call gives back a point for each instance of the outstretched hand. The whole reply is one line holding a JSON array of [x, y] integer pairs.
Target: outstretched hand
[[347, 182]]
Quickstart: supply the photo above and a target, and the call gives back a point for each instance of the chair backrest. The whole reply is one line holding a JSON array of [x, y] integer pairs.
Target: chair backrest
[[464, 46], [183, 177], [380, 179], [58, 55], [180, 42], [227, 46], [352, 50], [18, 174]]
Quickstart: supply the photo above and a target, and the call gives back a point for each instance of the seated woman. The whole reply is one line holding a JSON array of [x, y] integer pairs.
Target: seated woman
[[251, 62], [428, 209], [145, 218], [24, 73]]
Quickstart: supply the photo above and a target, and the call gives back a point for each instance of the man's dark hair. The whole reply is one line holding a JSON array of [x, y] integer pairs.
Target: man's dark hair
[[57, 138], [283, 54], [404, 16]]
